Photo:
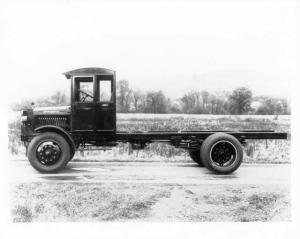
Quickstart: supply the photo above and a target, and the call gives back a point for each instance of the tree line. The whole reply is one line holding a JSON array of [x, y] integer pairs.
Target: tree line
[[239, 101], [129, 100]]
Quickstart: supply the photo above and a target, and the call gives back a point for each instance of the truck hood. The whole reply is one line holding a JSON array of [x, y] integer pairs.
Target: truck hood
[[56, 110]]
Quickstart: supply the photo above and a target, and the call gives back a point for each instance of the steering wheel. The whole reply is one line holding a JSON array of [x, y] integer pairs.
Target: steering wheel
[[86, 95]]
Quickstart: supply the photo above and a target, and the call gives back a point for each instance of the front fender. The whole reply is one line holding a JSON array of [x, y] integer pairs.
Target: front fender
[[59, 130]]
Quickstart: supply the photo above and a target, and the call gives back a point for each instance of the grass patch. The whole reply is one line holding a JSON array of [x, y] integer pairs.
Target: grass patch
[[75, 202], [22, 214], [80, 202], [257, 207], [245, 204]]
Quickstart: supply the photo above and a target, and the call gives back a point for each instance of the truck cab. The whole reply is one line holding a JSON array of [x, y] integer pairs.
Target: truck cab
[[93, 100], [91, 115]]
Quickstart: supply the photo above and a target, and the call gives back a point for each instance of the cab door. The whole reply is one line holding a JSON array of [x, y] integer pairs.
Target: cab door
[[83, 104], [105, 110]]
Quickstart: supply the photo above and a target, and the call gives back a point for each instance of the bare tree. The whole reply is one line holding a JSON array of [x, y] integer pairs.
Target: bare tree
[[205, 96], [191, 102], [138, 98], [271, 106], [188, 102], [240, 100], [59, 98], [156, 102], [124, 96], [213, 103], [285, 107]]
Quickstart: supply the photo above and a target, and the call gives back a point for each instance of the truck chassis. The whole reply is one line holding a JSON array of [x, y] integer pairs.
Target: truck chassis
[[52, 135]]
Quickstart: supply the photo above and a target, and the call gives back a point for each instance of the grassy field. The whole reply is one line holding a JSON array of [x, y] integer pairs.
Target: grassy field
[[259, 151], [76, 202]]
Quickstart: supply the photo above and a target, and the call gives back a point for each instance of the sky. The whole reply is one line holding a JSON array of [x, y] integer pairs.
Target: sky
[[173, 46]]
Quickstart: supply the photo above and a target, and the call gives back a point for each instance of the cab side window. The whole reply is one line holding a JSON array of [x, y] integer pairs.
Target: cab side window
[[105, 90], [84, 89]]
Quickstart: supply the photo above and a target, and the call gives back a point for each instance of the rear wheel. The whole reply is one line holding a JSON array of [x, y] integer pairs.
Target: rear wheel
[[195, 155], [49, 152], [221, 153]]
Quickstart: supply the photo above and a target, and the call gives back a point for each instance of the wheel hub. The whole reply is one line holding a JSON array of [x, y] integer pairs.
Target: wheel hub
[[223, 153], [48, 153]]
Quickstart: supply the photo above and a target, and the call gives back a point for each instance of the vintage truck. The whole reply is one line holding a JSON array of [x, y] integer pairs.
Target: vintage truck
[[52, 135]]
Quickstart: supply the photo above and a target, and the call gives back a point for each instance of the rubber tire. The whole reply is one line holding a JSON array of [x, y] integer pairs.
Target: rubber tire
[[72, 154], [64, 157], [196, 157], [206, 158]]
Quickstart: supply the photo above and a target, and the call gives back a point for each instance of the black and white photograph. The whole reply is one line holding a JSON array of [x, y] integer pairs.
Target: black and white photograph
[[149, 113]]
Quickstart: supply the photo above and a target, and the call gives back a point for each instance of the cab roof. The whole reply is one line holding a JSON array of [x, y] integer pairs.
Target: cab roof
[[89, 71]]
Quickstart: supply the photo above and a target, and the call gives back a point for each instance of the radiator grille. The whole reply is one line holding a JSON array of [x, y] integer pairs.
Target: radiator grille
[[61, 121]]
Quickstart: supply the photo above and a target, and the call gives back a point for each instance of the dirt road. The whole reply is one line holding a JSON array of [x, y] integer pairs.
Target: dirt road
[[132, 191], [177, 173]]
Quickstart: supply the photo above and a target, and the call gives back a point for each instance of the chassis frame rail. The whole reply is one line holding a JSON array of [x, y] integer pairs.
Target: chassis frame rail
[[167, 135]]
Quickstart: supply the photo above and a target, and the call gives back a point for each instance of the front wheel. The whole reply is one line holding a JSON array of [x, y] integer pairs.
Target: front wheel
[[49, 152], [221, 153]]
